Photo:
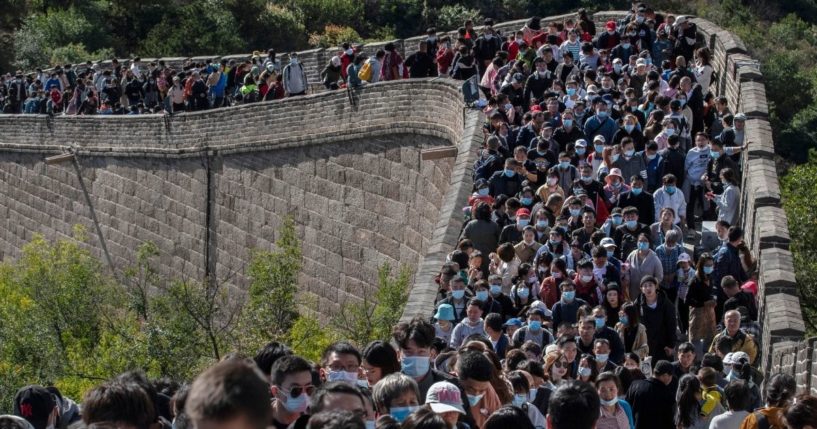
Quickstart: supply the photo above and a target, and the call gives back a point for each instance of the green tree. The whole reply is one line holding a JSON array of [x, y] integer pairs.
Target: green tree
[[334, 35], [799, 197], [271, 305], [319, 13], [451, 17], [373, 317], [199, 28]]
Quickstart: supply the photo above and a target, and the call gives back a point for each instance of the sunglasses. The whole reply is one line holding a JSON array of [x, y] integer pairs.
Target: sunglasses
[[559, 364], [296, 391]]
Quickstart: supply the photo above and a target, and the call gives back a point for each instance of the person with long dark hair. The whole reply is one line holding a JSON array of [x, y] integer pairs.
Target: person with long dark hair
[[701, 302], [688, 397]]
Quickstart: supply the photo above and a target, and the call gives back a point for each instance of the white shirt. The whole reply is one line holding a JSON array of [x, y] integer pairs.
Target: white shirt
[[728, 420]]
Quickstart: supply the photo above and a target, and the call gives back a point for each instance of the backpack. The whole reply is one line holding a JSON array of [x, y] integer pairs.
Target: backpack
[[365, 72]]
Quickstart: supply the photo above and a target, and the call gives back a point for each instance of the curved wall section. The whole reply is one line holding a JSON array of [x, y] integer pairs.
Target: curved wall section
[[209, 187]]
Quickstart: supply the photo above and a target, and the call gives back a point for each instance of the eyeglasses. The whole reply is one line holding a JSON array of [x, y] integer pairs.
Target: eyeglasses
[[296, 391], [350, 368], [559, 364]]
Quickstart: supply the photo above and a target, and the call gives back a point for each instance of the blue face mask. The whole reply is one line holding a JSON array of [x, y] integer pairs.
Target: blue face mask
[[401, 413], [522, 222], [670, 189], [629, 128], [631, 224], [510, 173], [636, 191], [523, 292], [526, 201], [535, 325], [602, 358], [629, 153], [602, 114], [617, 68], [571, 91], [624, 320], [496, 290], [580, 151], [643, 246], [483, 192], [670, 131], [615, 157], [473, 400], [415, 366], [564, 164], [482, 295], [519, 400], [567, 123], [609, 253], [708, 269], [569, 295], [575, 212], [599, 148], [541, 224], [714, 154], [599, 323], [458, 294], [617, 220], [625, 45]]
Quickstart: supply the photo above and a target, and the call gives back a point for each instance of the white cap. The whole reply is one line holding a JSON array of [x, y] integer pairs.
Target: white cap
[[729, 359], [684, 257], [607, 242]]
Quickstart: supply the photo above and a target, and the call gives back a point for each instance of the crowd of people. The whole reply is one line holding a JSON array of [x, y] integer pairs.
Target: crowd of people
[[581, 293]]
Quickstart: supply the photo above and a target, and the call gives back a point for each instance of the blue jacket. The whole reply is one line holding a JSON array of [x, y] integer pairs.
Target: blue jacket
[[595, 126]]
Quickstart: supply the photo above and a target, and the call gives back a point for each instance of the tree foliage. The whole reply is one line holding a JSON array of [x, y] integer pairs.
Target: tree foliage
[[370, 317], [799, 195]]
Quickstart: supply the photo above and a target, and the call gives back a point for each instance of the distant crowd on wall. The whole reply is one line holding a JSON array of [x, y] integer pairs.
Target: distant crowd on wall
[[582, 292]]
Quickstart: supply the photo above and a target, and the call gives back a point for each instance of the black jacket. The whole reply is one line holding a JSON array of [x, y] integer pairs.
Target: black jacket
[[643, 202], [661, 324], [653, 404], [672, 162]]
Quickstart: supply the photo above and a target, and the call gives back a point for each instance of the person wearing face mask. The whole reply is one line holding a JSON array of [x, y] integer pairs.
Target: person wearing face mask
[[615, 413], [626, 235], [444, 325], [522, 398], [291, 379], [507, 181], [397, 395], [570, 130], [341, 362], [457, 297], [534, 330], [472, 324], [527, 248], [512, 233], [294, 79], [486, 47], [614, 189], [483, 294], [719, 161], [414, 340], [652, 161], [538, 82], [610, 38], [475, 372], [600, 123], [629, 163], [643, 263], [566, 309], [624, 49], [669, 196], [630, 128]]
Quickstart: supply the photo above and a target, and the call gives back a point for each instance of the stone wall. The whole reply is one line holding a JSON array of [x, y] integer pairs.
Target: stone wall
[[209, 187], [739, 78]]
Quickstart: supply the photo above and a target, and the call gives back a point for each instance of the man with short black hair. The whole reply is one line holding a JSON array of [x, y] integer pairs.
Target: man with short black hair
[[123, 404], [414, 340], [271, 352], [475, 372], [341, 362], [652, 400], [231, 394], [574, 405], [738, 398], [291, 388]]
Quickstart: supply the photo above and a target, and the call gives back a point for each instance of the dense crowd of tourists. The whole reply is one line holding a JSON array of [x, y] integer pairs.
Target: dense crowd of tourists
[[583, 292]]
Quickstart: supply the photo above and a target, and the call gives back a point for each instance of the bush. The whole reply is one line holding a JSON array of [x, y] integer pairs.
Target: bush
[[321, 13], [800, 203], [452, 17], [334, 35], [199, 28]]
